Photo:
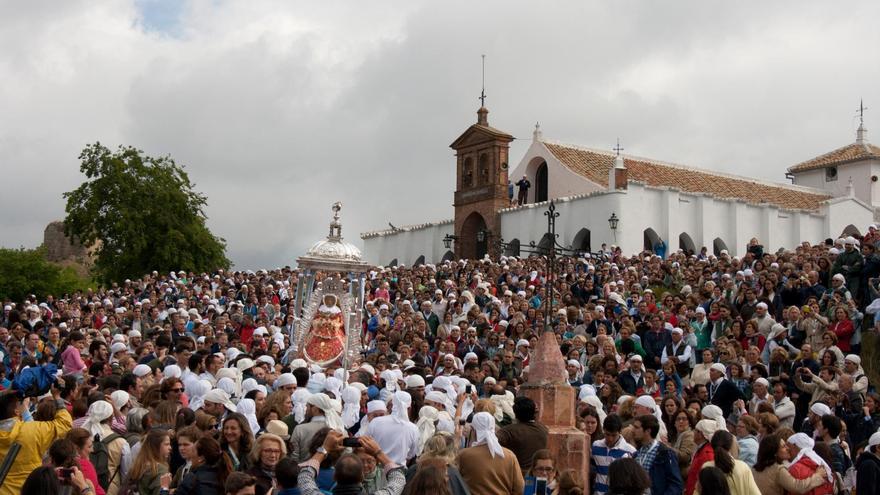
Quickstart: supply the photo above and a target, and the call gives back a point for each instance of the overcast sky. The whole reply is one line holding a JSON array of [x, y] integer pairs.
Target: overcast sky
[[278, 109]]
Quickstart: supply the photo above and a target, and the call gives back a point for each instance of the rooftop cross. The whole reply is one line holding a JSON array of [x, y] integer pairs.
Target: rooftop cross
[[862, 109], [617, 148]]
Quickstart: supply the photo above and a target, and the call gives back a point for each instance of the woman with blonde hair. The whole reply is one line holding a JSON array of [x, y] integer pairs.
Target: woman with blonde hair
[[440, 448], [268, 450], [149, 472]]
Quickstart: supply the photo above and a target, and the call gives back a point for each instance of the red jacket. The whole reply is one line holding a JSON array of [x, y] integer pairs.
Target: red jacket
[[701, 456], [804, 468], [844, 331]]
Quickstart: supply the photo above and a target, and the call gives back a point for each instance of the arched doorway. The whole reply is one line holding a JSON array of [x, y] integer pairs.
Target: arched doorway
[[447, 256], [512, 248], [419, 261], [545, 244], [471, 248], [541, 178], [718, 245], [686, 244], [582, 241], [651, 239], [392, 263]]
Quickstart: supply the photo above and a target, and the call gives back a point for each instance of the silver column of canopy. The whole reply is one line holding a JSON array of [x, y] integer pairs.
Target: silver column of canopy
[[329, 267]]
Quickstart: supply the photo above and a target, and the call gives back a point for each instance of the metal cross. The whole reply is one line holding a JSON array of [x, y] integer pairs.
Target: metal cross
[[617, 148], [862, 109]]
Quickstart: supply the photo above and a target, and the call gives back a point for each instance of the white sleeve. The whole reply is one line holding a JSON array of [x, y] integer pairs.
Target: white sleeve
[[125, 464], [686, 357], [664, 357]]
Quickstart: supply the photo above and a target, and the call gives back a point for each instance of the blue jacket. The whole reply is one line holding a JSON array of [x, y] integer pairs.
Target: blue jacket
[[665, 474]]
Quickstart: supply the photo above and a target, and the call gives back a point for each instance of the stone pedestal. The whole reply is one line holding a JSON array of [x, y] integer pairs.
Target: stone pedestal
[[556, 399]]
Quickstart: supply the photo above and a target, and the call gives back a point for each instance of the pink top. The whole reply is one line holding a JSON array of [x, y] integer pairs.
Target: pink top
[[73, 362], [88, 471]]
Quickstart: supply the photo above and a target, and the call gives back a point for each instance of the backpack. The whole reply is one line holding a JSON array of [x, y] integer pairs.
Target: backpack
[[100, 458]]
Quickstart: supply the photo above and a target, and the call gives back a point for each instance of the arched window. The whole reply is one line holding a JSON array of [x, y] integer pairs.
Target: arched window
[[420, 261], [718, 245], [467, 173], [582, 241], [392, 263], [686, 244], [484, 169], [651, 239]]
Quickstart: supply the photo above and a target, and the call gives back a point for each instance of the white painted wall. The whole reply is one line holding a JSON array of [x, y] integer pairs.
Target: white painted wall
[[561, 181], [861, 172], [407, 244], [668, 211]]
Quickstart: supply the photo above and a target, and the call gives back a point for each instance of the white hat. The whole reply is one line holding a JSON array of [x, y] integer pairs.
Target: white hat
[[718, 367], [522, 342], [266, 359], [762, 305], [218, 396], [285, 379], [232, 353], [244, 364], [261, 331], [120, 399], [413, 381], [820, 409], [376, 405], [646, 401], [874, 440], [839, 276], [298, 363], [134, 333], [763, 381], [117, 347], [701, 310], [853, 358], [142, 370], [172, 371], [677, 330]]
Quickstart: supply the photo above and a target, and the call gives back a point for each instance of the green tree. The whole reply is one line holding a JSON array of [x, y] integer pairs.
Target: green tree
[[142, 213], [26, 271]]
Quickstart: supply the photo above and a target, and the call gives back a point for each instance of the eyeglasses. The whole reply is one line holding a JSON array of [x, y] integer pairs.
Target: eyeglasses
[[176, 390], [544, 469]]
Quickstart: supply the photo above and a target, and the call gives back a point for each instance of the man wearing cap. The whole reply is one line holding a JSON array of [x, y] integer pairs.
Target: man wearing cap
[[722, 392], [217, 403], [632, 380], [849, 263], [678, 352], [868, 466]]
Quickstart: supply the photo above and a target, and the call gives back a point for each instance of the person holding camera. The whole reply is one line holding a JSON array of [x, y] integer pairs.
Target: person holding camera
[[34, 437], [348, 472]]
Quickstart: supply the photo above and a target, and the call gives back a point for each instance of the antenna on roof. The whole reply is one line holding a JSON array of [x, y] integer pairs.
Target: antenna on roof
[[483, 91], [617, 148]]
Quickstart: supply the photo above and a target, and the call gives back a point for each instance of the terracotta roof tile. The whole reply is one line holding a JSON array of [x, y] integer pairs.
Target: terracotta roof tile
[[594, 165], [849, 153]]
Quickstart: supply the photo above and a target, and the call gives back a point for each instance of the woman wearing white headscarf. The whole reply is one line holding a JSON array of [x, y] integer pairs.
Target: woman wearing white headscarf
[[300, 399], [806, 460], [426, 425], [487, 467], [316, 383], [119, 458], [351, 406], [334, 386], [199, 389], [390, 385], [714, 413], [234, 375], [248, 409]]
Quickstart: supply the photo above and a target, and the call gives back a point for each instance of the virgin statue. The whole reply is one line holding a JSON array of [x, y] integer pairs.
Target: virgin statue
[[325, 341]]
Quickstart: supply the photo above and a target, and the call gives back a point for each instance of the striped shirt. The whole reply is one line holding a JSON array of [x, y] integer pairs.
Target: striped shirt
[[603, 456]]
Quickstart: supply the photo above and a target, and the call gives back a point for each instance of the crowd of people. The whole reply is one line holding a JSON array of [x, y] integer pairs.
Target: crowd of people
[[695, 373]]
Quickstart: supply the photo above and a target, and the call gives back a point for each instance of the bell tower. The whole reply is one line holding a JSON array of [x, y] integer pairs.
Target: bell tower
[[481, 186]]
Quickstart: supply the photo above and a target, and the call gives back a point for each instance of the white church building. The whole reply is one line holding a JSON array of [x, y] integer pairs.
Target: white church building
[[687, 208]]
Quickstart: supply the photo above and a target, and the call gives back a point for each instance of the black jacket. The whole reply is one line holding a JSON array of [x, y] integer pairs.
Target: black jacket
[[724, 396], [867, 473], [202, 480]]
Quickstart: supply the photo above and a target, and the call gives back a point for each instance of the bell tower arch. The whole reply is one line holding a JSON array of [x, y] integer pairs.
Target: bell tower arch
[[481, 185]]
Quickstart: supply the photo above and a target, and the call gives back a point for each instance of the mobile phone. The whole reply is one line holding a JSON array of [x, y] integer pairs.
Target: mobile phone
[[65, 474], [351, 442], [540, 486], [468, 389]]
